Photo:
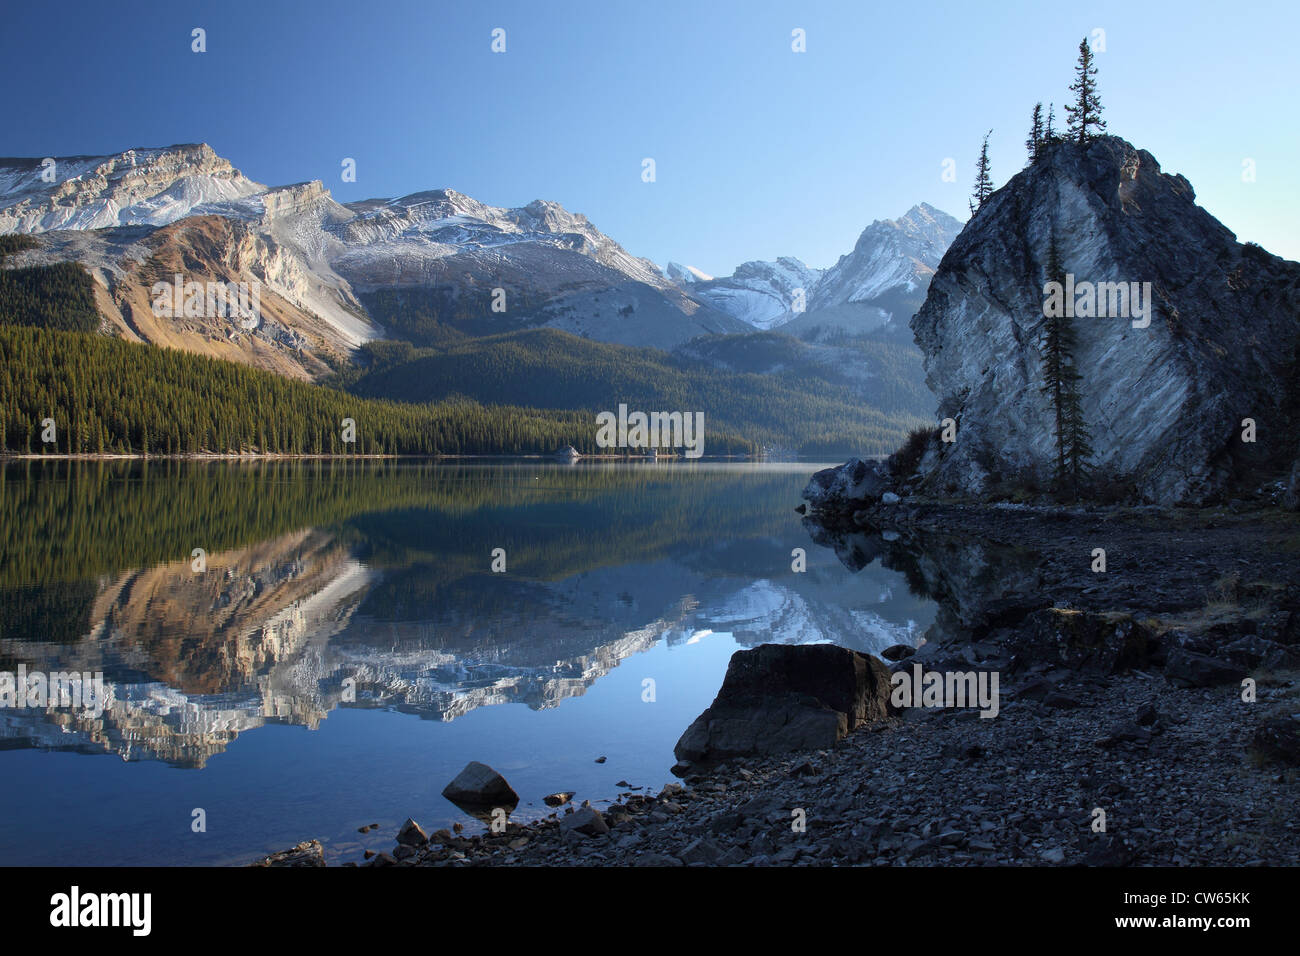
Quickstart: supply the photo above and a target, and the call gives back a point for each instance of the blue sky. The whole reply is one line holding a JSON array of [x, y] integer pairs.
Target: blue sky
[[759, 151]]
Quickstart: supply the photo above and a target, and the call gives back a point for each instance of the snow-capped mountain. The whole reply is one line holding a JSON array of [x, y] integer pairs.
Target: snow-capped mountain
[[685, 275], [891, 256], [555, 267], [761, 294], [151, 187], [885, 276], [329, 270], [883, 281]]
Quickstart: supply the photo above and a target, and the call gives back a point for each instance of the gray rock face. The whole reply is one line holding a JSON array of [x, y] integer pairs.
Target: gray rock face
[[777, 698], [1165, 402], [478, 785]]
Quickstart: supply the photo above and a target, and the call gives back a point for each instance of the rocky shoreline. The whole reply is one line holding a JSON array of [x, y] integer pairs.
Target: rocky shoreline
[[1122, 734]]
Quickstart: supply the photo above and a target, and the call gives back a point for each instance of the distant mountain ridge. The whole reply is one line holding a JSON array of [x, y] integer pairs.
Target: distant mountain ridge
[[883, 279], [555, 268], [344, 286], [322, 258]]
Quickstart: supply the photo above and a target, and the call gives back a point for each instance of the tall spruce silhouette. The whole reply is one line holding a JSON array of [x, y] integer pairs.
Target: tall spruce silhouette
[[1035, 141], [1085, 114], [983, 182], [1060, 383]]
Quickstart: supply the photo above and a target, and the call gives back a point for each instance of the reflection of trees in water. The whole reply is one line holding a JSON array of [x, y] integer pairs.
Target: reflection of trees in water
[[62, 520], [56, 611], [603, 562]]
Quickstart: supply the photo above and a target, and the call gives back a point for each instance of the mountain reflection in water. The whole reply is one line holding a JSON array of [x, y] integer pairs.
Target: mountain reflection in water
[[339, 589]]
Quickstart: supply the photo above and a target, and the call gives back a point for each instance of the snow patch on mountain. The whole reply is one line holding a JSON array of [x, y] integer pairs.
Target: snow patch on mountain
[[761, 294]]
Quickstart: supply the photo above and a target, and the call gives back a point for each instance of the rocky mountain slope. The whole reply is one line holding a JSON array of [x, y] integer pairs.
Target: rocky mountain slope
[[1166, 401]]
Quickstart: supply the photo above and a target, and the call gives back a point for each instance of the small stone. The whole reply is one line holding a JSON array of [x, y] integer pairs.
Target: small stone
[[558, 799], [701, 851], [411, 834], [586, 821], [307, 853]]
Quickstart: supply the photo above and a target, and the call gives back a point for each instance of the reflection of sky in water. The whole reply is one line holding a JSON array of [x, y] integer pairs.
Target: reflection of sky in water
[[536, 676]]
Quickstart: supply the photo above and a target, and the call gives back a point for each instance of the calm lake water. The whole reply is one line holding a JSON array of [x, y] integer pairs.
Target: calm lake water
[[349, 648]]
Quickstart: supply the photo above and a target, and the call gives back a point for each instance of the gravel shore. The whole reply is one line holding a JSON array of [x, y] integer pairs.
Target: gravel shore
[[1125, 735]]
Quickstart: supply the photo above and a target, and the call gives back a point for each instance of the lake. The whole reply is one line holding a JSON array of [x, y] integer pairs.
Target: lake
[[296, 649]]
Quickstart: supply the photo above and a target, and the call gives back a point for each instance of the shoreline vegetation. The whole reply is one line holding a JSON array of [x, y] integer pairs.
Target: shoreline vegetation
[[1123, 694], [347, 456]]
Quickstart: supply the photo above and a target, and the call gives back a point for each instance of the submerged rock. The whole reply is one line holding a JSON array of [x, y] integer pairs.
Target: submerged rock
[[307, 853], [779, 697]]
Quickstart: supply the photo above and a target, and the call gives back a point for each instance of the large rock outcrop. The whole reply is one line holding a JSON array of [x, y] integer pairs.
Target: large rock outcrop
[[1165, 403], [780, 697]]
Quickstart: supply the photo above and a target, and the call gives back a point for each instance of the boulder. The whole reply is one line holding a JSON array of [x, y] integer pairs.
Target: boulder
[[854, 481], [478, 785], [1189, 669], [1082, 640], [777, 698], [1278, 739], [1252, 651]]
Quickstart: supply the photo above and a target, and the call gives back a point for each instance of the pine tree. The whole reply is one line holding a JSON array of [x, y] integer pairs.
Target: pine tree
[[1035, 141], [1049, 133], [1078, 443], [1060, 382], [1085, 114], [983, 182]]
